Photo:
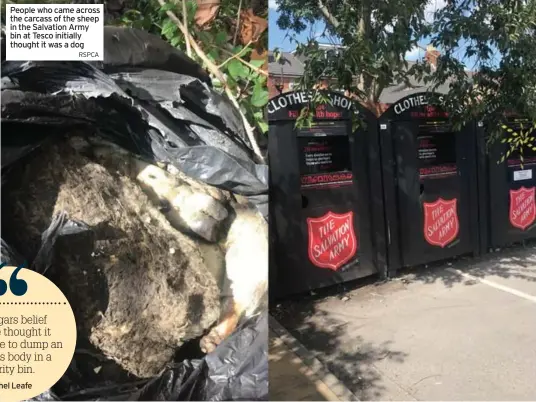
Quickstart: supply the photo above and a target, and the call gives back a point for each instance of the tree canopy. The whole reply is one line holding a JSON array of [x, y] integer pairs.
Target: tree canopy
[[499, 36], [374, 36], [488, 54]]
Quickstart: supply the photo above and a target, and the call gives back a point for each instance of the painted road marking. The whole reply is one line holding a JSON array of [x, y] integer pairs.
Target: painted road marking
[[506, 289]]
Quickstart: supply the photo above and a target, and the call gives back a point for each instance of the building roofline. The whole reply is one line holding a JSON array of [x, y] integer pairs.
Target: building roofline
[[324, 45], [279, 75]]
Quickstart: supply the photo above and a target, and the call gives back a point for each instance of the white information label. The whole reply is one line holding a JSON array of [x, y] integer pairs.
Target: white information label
[[522, 175], [54, 32]]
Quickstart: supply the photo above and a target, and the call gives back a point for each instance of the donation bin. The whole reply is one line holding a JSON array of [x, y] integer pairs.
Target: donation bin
[[430, 183], [507, 197], [320, 195]]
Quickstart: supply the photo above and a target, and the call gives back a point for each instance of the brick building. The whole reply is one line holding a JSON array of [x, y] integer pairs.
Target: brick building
[[287, 71]]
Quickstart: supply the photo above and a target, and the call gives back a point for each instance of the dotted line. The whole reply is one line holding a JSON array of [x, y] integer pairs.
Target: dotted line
[[48, 303]]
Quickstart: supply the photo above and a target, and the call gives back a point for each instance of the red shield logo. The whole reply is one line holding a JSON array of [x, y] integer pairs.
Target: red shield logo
[[522, 207], [332, 240], [441, 225]]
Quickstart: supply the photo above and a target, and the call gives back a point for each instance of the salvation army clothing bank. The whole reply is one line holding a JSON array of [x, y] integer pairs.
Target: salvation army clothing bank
[[507, 191], [323, 229], [402, 190], [429, 174]]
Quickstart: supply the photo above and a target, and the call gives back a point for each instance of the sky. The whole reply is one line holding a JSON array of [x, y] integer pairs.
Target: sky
[[280, 39]]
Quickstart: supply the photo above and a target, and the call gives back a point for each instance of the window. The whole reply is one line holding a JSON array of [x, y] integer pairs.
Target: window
[[331, 56], [332, 53]]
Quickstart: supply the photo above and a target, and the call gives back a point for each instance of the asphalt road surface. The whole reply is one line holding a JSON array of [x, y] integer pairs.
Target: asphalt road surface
[[462, 331]]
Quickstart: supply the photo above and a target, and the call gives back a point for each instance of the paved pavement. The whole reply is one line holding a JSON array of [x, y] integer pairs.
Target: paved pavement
[[465, 331], [287, 382], [295, 373], [289, 377]]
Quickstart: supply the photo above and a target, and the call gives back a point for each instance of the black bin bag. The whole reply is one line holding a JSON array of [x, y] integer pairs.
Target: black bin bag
[[149, 98]]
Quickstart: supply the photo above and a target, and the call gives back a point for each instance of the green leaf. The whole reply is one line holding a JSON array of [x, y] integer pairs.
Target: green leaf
[[191, 9], [205, 37], [263, 126], [259, 96], [132, 14], [168, 7], [169, 29], [213, 55], [218, 84], [253, 76], [221, 38], [231, 83], [175, 41], [237, 69], [257, 63]]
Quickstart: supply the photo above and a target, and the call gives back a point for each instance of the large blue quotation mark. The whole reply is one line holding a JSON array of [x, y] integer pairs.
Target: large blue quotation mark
[[18, 287]]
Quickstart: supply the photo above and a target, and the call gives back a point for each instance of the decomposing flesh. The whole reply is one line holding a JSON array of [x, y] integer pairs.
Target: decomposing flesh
[[139, 287]]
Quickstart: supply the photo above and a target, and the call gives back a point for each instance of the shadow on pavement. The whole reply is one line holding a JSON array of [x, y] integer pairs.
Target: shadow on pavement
[[290, 379], [514, 262], [323, 335], [344, 352]]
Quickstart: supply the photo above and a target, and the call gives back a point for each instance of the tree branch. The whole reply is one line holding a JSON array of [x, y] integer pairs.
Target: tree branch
[[233, 56], [237, 23], [185, 19], [330, 17], [237, 57], [219, 75]]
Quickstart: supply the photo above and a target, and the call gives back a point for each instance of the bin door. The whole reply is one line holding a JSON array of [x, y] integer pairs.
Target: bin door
[[434, 173], [329, 198]]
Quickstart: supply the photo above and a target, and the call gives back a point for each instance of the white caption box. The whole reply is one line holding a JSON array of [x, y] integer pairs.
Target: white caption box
[[522, 175], [54, 32]]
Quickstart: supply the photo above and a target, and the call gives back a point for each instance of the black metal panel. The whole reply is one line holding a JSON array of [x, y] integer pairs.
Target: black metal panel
[[430, 177], [510, 205], [320, 196], [483, 188]]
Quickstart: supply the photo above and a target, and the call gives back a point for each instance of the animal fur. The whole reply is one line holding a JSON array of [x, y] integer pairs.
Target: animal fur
[[140, 288], [246, 262], [244, 283]]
